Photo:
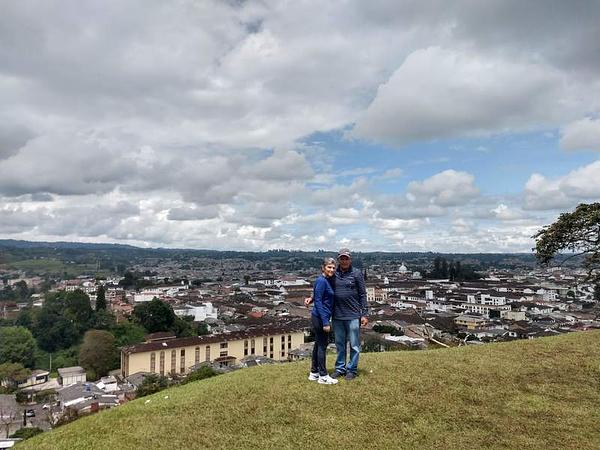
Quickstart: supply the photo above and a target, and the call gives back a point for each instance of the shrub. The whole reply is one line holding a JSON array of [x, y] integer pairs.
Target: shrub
[[151, 384], [26, 433], [22, 397], [200, 374], [45, 396]]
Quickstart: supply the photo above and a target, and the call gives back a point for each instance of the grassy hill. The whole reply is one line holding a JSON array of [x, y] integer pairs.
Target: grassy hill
[[543, 393]]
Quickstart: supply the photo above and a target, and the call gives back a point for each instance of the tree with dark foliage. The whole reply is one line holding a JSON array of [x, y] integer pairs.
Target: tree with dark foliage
[[13, 373], [578, 233], [151, 384], [155, 315], [17, 345], [100, 299], [98, 353]]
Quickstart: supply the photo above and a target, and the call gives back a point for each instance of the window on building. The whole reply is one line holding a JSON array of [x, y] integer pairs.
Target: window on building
[[264, 346], [289, 338], [153, 362], [223, 353], [182, 361], [223, 345], [173, 361], [282, 339], [207, 353], [162, 363], [282, 353], [282, 346], [197, 356], [252, 347]]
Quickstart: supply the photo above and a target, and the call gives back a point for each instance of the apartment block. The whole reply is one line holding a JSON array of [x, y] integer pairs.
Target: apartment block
[[167, 355]]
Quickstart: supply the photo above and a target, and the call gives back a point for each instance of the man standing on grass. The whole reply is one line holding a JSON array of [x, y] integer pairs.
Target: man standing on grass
[[350, 311]]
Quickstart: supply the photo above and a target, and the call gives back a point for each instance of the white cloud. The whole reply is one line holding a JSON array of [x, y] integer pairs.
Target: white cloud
[[462, 226], [344, 216], [400, 224], [447, 188], [392, 174], [439, 93], [193, 213], [357, 172], [282, 165], [583, 134], [577, 186], [504, 212]]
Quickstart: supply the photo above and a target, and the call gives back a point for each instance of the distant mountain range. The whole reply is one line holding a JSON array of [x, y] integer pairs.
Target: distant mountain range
[[63, 245], [13, 243]]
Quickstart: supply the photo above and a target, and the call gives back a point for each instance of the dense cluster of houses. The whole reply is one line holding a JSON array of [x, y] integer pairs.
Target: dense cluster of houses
[[500, 307]]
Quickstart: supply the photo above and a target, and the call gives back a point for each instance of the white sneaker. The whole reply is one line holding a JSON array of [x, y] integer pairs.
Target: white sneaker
[[313, 376], [327, 380]]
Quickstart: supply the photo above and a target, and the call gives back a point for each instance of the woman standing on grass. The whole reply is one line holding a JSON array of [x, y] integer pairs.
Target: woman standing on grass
[[321, 321]]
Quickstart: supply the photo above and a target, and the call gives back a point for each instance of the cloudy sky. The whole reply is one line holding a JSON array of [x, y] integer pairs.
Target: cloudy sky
[[383, 125]]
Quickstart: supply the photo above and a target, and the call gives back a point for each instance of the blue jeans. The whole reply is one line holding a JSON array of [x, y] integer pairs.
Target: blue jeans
[[347, 330]]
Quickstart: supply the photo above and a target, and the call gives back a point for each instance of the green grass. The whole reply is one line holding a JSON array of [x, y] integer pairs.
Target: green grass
[[540, 394]]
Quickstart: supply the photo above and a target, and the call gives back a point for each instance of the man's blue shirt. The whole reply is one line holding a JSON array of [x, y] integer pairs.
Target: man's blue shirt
[[350, 295]]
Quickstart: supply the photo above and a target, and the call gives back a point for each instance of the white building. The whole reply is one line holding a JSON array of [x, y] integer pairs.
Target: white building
[[515, 315], [487, 299], [199, 312], [436, 306], [71, 375], [147, 296], [485, 309], [284, 282], [108, 384], [37, 377], [402, 305]]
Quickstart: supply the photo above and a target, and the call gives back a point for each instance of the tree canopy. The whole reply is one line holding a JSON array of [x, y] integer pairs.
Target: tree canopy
[[127, 333], [578, 233], [52, 330], [100, 299], [98, 353], [155, 315], [453, 270], [17, 345], [79, 310], [13, 372]]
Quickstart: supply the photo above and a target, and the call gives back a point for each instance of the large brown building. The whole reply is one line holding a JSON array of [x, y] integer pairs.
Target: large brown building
[[164, 355]]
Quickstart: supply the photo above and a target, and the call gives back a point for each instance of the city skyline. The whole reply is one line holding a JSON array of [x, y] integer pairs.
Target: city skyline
[[394, 126]]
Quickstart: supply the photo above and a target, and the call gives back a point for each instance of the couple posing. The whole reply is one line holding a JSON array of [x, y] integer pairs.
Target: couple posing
[[340, 299]]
